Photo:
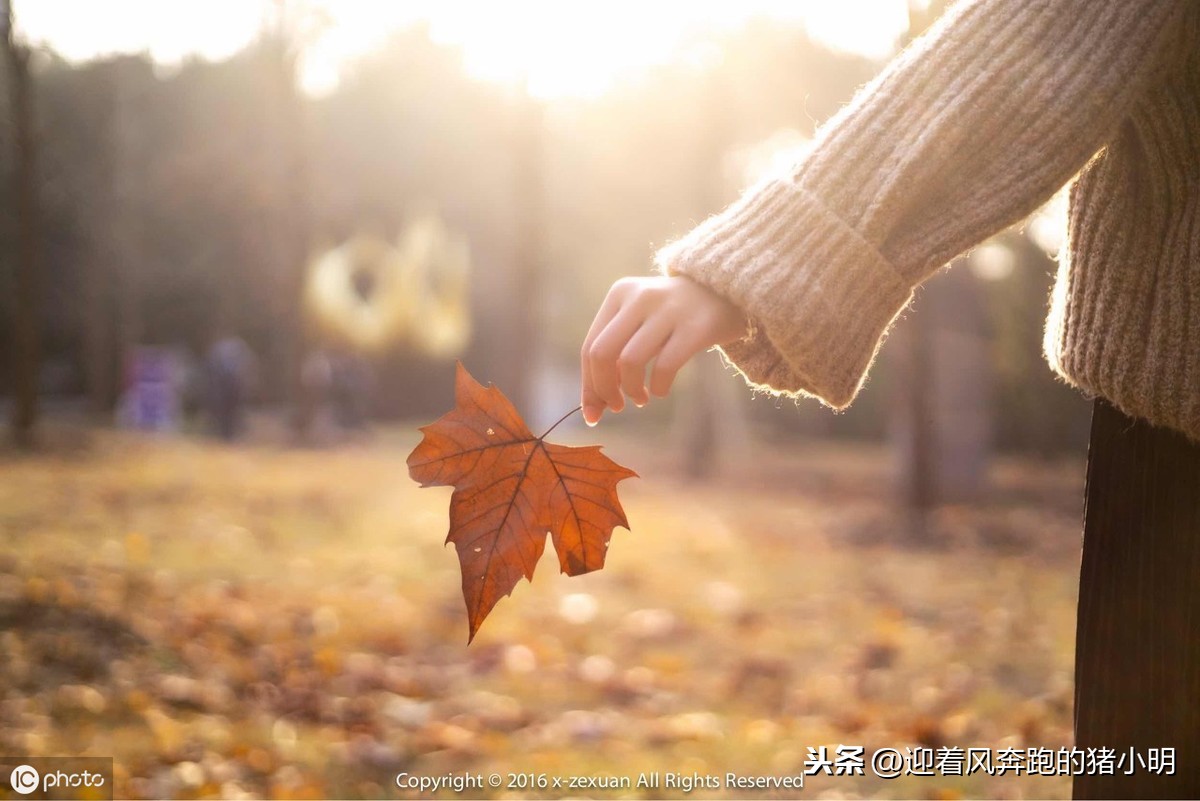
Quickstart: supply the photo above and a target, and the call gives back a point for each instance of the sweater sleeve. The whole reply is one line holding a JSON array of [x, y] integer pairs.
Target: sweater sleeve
[[964, 133]]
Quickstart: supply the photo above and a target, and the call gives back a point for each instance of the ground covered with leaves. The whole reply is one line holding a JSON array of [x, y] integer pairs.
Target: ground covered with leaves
[[261, 621]]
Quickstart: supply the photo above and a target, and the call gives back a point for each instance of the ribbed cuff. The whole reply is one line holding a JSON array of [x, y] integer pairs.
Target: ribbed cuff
[[819, 296]]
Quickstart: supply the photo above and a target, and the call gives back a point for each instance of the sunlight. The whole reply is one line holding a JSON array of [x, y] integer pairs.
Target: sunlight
[[572, 50], [558, 49], [80, 30]]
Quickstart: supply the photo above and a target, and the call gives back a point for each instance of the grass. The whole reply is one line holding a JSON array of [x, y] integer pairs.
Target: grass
[[263, 621]]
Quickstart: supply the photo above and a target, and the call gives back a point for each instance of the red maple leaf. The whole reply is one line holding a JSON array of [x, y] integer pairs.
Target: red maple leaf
[[511, 489]]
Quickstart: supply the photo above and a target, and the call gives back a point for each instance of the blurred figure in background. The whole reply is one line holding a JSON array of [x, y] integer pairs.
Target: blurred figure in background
[[350, 389], [316, 378], [155, 381], [968, 131], [230, 370]]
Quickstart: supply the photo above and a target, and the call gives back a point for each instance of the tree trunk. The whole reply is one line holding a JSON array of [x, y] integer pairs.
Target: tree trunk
[[527, 257], [711, 417], [289, 226], [97, 342], [915, 403], [26, 356], [918, 476], [127, 238]]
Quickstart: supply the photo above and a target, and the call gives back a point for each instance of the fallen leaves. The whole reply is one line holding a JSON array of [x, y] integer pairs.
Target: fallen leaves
[[511, 489], [291, 634]]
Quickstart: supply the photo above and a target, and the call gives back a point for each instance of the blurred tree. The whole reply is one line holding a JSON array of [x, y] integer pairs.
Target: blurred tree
[[915, 409], [215, 157], [285, 149], [711, 422], [25, 308], [528, 296], [1036, 412], [950, 331], [98, 267], [126, 252]]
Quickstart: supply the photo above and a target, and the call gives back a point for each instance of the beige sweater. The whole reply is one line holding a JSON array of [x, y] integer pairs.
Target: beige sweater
[[966, 132]]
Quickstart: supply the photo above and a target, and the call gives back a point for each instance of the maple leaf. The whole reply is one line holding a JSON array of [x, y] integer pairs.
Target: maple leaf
[[511, 489]]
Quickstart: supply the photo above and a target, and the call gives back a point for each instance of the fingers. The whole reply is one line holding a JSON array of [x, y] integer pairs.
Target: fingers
[[606, 352], [592, 405], [645, 344], [664, 321], [682, 346], [590, 400]]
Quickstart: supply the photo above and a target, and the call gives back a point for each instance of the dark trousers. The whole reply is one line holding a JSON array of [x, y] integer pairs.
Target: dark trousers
[[1137, 653]]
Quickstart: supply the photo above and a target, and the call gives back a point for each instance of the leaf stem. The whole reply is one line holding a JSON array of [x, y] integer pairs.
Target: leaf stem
[[560, 420]]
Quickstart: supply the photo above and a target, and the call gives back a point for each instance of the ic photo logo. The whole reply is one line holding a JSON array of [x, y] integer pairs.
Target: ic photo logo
[[24, 779]]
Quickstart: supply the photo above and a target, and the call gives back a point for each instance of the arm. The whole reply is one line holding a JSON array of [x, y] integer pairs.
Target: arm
[[964, 133]]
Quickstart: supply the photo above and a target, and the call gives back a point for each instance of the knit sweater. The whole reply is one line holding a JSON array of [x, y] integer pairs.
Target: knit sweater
[[965, 132]]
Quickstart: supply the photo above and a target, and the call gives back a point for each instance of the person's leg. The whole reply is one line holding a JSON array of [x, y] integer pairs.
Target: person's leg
[[1137, 652]]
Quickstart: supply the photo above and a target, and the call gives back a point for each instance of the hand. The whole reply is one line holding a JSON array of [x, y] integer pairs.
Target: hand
[[659, 319]]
